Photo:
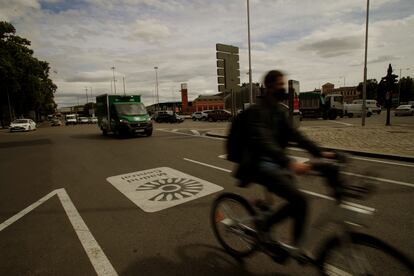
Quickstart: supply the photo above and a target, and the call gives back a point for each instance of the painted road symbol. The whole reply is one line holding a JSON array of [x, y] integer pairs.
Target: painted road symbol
[[160, 188]]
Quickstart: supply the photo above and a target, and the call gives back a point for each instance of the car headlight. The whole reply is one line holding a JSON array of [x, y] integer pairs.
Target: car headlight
[[123, 121]]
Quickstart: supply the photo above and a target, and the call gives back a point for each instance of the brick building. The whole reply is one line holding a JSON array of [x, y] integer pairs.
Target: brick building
[[349, 93], [204, 102]]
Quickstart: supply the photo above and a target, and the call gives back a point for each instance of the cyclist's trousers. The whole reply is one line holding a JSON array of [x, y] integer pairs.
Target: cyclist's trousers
[[281, 182]]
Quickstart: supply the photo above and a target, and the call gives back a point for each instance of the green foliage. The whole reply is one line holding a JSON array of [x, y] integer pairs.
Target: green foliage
[[24, 80], [406, 89], [372, 89]]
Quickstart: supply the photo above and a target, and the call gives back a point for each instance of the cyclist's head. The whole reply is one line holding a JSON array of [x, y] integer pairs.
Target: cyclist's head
[[274, 82]]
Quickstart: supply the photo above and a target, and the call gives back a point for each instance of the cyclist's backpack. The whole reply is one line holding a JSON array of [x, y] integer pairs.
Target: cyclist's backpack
[[236, 140]]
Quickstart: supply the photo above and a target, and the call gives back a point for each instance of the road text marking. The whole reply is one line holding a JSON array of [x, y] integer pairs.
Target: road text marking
[[156, 189]]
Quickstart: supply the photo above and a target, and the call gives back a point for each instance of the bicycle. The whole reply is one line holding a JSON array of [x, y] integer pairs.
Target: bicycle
[[348, 252]]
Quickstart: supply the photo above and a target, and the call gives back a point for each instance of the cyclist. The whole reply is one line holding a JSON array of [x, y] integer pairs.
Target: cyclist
[[264, 159]]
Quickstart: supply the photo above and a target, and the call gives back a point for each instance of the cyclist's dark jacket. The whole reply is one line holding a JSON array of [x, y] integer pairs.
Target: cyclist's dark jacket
[[268, 132]]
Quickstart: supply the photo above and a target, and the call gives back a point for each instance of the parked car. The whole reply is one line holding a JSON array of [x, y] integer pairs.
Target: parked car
[[22, 125], [168, 118], [204, 114], [370, 104], [197, 116], [219, 115], [93, 120], [406, 109], [71, 119], [83, 120], [55, 122], [355, 110]]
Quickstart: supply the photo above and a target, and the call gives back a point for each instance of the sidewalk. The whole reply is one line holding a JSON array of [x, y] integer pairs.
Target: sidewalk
[[392, 142]]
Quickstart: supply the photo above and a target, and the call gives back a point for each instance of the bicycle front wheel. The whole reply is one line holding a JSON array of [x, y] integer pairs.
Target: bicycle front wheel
[[363, 254], [232, 219]]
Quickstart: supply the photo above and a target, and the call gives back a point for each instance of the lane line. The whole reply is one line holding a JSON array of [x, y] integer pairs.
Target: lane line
[[175, 130], [384, 162], [296, 158], [369, 209], [97, 257], [195, 132], [342, 123], [186, 134], [380, 179], [207, 165], [26, 210], [95, 253], [296, 149]]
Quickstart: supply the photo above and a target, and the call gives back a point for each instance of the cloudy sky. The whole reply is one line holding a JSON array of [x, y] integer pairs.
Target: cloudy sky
[[313, 41]]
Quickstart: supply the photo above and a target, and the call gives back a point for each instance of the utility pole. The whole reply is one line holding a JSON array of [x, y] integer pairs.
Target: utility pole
[[123, 80], [86, 91], [250, 57], [113, 73], [156, 86], [91, 94], [364, 90]]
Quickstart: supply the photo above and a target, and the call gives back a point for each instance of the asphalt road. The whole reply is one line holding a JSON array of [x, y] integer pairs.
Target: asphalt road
[[86, 225]]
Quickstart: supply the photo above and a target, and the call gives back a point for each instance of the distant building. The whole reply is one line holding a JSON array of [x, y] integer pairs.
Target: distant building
[[327, 88], [349, 93], [207, 102]]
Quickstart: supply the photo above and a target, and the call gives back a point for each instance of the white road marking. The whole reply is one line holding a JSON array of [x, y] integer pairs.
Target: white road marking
[[342, 123], [380, 179], [175, 130], [304, 191], [297, 149], [195, 132], [157, 189], [200, 136], [384, 162], [207, 165], [95, 253], [26, 210], [297, 158]]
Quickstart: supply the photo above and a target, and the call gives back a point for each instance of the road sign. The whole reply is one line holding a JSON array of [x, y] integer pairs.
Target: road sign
[[228, 68], [227, 48]]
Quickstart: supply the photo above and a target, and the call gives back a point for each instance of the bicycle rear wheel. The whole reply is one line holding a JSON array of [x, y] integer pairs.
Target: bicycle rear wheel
[[232, 219], [363, 255]]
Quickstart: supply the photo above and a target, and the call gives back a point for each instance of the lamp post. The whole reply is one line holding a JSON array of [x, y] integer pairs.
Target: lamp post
[[113, 73], [156, 88], [250, 58], [364, 89]]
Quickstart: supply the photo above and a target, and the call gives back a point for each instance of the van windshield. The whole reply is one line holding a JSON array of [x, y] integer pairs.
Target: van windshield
[[131, 109]]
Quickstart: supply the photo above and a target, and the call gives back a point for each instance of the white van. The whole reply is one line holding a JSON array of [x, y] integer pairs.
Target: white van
[[355, 110], [371, 104]]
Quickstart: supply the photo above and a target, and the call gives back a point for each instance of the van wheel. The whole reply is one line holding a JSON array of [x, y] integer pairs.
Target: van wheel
[[104, 132], [350, 115], [369, 114]]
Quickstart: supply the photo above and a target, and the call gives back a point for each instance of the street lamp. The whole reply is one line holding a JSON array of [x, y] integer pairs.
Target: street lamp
[[364, 89], [156, 87], [250, 58], [399, 80], [113, 73]]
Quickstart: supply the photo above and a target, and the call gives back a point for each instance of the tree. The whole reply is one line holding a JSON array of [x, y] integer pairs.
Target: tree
[[372, 89], [25, 85], [406, 85]]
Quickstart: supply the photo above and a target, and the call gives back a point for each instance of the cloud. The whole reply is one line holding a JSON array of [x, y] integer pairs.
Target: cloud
[[332, 47], [149, 31], [313, 41]]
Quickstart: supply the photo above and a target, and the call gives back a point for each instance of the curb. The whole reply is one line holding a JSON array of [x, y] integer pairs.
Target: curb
[[353, 152]]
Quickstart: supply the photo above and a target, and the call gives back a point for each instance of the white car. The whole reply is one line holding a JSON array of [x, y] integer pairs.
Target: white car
[[371, 104], [204, 114], [22, 125], [93, 120], [197, 115], [406, 109], [83, 120]]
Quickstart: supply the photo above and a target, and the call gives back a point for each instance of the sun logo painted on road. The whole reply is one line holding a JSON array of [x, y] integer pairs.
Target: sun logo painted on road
[[172, 188]]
